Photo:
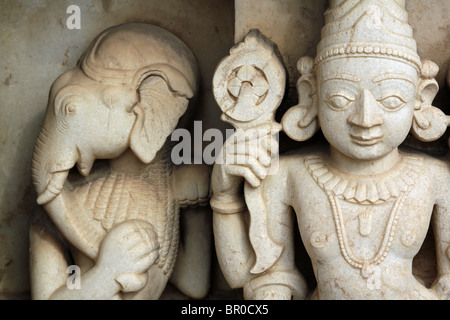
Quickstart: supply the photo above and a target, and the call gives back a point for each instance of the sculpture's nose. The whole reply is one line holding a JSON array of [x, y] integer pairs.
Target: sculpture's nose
[[367, 113]]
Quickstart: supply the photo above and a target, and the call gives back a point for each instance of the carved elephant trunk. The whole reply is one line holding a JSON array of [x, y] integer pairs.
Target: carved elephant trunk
[[52, 159]]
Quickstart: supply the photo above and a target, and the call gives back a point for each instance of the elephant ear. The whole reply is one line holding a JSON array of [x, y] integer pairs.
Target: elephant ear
[[157, 113]]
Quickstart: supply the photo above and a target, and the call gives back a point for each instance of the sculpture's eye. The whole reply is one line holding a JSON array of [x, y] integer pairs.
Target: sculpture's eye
[[69, 108], [392, 102], [339, 102], [67, 105]]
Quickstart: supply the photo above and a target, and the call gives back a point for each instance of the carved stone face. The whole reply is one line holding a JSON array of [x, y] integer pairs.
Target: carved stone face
[[366, 104], [90, 116]]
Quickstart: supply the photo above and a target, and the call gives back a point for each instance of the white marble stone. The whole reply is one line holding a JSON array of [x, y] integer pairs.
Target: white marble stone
[[363, 205]]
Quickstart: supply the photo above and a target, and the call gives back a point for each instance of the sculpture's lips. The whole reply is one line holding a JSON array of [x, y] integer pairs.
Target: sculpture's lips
[[365, 140]]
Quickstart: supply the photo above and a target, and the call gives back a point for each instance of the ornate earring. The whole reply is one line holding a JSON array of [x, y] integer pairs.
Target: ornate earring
[[300, 122], [429, 122]]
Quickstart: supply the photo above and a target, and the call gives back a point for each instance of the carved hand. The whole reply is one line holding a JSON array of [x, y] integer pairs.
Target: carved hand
[[127, 252], [246, 154]]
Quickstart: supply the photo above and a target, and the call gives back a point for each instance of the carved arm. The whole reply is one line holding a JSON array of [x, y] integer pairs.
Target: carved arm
[[253, 235], [191, 274]]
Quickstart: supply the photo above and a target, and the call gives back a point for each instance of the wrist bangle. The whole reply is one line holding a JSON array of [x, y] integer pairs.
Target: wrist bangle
[[228, 207], [291, 279]]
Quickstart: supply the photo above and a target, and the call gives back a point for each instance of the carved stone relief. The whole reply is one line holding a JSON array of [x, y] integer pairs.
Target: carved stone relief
[[120, 223], [367, 214], [363, 204]]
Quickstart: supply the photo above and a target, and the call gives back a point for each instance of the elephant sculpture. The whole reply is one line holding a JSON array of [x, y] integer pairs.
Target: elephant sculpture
[[126, 223]]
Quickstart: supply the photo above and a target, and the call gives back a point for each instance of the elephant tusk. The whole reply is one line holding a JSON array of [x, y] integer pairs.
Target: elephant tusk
[[54, 187]]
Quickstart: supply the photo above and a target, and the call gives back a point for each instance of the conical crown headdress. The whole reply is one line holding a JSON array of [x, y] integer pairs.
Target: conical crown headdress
[[367, 27]]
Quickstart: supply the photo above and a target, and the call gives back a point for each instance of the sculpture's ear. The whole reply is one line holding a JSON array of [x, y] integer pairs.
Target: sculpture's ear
[[158, 110], [300, 122], [429, 122]]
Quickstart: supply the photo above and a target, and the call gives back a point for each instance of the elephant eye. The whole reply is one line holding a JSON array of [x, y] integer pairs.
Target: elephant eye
[[339, 102], [69, 108], [392, 102]]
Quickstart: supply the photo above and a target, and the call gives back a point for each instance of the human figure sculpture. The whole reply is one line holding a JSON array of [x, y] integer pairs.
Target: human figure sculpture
[[362, 204], [120, 224]]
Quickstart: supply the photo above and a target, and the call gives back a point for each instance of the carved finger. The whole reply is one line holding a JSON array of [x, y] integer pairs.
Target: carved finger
[[142, 249], [150, 236], [259, 170], [264, 157], [139, 250], [131, 282], [245, 146], [244, 172], [153, 253], [250, 135], [264, 144], [143, 264], [270, 144], [267, 151], [254, 151]]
